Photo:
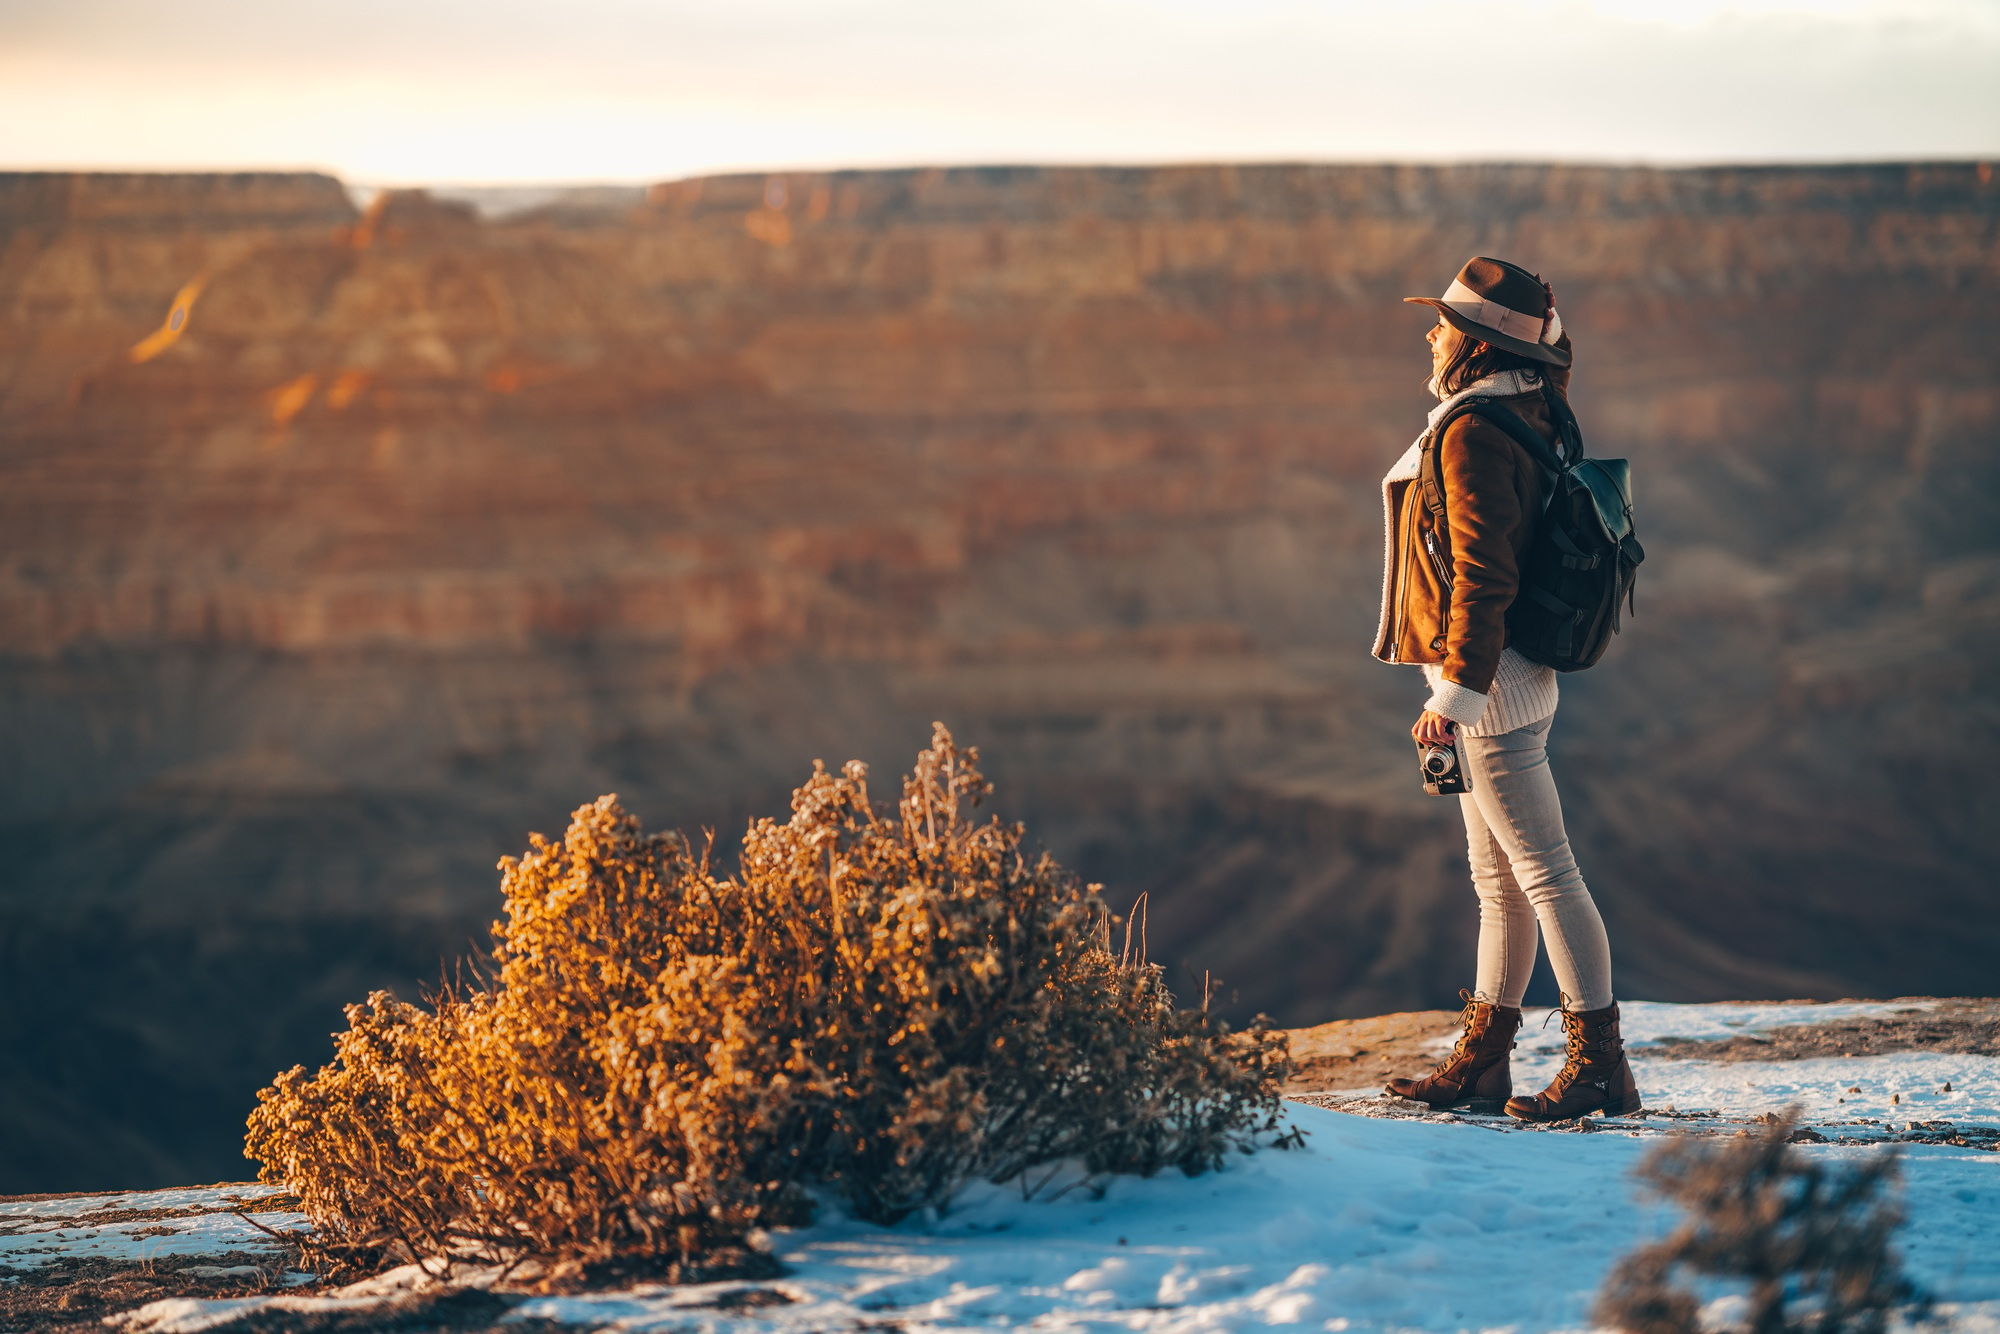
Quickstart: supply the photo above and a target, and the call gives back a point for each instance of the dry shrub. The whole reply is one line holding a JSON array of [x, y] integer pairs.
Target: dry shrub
[[1806, 1245], [886, 1005]]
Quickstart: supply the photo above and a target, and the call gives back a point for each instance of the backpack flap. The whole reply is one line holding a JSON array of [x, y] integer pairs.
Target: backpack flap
[[1610, 483]]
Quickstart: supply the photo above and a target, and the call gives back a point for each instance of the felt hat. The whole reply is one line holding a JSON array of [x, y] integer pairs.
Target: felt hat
[[1502, 304]]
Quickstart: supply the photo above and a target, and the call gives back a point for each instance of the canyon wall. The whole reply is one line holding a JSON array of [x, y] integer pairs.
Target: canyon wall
[[341, 547]]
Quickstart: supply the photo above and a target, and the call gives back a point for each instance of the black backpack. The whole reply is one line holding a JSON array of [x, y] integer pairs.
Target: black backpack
[[1584, 558]]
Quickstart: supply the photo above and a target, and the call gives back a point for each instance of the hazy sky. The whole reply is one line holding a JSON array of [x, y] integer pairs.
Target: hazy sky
[[397, 91]]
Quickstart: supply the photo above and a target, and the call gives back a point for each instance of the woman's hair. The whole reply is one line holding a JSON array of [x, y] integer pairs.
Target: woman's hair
[[1467, 361]]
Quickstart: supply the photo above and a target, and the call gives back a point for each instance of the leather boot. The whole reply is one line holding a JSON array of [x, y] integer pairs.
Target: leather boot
[[1475, 1076], [1595, 1076]]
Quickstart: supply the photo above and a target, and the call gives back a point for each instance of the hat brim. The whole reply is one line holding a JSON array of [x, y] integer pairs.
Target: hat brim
[[1555, 356]]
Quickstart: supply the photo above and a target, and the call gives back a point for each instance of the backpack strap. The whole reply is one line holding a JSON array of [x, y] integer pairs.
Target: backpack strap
[[1526, 437], [1567, 429], [1430, 465]]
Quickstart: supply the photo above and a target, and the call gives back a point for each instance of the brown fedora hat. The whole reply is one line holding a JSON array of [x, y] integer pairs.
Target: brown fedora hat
[[1502, 304]]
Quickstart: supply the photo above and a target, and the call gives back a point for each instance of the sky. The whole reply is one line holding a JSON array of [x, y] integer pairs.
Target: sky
[[532, 91]]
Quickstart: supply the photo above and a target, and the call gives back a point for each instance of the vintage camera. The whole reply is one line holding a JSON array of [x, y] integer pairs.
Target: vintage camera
[[1443, 775]]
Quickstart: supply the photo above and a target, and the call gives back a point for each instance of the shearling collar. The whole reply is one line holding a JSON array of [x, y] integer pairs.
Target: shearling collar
[[1506, 384]]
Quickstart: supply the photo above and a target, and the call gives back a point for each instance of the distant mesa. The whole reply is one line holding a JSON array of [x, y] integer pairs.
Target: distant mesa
[[432, 518]]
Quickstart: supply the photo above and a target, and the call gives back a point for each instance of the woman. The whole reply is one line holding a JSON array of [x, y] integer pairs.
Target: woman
[[1498, 337]]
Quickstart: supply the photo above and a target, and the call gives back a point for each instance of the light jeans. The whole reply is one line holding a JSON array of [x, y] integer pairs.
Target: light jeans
[[1525, 874]]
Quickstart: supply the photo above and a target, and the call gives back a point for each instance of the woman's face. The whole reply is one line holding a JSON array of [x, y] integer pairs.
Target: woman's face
[[1445, 342], [1441, 337]]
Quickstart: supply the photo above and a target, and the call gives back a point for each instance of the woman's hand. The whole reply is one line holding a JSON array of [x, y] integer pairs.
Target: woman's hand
[[1433, 729]]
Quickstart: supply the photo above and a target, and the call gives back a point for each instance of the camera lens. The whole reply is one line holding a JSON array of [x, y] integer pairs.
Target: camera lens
[[1438, 762]]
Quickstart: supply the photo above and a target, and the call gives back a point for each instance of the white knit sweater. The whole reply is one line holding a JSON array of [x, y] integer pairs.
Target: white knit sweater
[[1523, 692]]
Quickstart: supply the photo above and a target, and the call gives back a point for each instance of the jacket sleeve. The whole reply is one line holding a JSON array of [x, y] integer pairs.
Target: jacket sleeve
[[1484, 513]]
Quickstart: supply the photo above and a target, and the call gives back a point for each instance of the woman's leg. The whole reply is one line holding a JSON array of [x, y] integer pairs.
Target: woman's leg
[[1506, 918], [1516, 801], [1478, 1074]]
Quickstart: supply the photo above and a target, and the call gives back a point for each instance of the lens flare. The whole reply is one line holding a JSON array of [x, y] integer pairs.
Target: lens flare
[[345, 389], [288, 400], [172, 327]]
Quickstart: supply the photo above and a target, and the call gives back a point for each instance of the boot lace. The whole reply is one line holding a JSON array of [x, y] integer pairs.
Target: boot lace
[[1576, 1048], [1463, 1046]]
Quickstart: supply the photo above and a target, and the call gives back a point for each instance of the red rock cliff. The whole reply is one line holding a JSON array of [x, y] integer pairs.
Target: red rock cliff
[[338, 546]]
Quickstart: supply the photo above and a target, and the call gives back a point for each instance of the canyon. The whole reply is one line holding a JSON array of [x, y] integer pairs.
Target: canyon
[[343, 545]]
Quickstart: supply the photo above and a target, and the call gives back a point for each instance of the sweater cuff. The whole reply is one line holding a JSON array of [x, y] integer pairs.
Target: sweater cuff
[[1463, 706]]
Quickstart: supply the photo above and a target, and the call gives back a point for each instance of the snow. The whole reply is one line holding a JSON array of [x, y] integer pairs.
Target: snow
[[139, 1225], [1431, 1223], [1750, 1087], [1375, 1225]]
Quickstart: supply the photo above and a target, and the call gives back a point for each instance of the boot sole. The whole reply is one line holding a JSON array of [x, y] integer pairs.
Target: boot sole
[[1471, 1106], [1623, 1107]]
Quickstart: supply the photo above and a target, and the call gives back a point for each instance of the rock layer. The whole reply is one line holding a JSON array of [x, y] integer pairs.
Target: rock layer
[[339, 547]]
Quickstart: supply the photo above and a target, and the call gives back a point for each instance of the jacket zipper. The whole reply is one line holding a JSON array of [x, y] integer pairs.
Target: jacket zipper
[[1437, 559]]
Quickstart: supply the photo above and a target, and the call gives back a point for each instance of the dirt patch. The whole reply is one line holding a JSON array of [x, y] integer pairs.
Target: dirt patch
[[1361, 1053], [74, 1296], [458, 1310], [68, 1294], [745, 1299], [721, 1264], [1961, 1026]]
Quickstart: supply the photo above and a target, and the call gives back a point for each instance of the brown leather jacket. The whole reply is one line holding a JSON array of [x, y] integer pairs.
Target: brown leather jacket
[[1493, 500]]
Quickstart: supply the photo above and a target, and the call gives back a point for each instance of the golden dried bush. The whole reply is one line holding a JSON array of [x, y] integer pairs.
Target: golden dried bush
[[882, 1005]]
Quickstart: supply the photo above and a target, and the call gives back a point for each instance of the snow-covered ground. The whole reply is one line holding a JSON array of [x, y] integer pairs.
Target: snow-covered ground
[[1379, 1223], [1746, 1088], [140, 1225]]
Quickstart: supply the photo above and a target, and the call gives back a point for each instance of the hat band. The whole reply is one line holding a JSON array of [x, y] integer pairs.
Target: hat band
[[1493, 315]]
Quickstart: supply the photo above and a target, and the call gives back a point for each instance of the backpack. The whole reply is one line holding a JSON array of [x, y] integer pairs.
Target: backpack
[[1583, 560]]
